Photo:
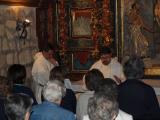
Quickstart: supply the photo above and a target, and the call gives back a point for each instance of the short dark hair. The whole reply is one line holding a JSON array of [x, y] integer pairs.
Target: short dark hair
[[105, 50], [92, 79], [134, 68], [17, 105], [108, 87], [48, 47], [16, 73], [57, 73]]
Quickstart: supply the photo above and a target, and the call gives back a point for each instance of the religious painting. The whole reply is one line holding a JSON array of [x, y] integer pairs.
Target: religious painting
[[81, 61], [81, 23], [139, 32], [80, 43]]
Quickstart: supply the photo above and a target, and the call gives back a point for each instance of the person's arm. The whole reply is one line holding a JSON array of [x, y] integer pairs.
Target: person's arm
[[119, 76], [53, 61], [78, 110]]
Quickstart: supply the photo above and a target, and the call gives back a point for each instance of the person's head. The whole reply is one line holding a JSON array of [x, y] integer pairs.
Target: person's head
[[16, 74], [134, 68], [48, 51], [92, 79], [135, 6], [102, 107], [53, 91], [18, 106], [108, 87], [105, 55], [57, 73]]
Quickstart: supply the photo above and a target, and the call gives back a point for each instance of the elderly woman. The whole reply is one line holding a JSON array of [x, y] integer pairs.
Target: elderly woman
[[50, 108]]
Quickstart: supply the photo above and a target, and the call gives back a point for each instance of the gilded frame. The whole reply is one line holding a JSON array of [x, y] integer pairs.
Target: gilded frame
[[80, 40], [81, 23]]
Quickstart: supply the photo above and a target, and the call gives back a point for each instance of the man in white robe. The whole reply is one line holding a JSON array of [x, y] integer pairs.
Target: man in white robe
[[44, 62], [109, 66]]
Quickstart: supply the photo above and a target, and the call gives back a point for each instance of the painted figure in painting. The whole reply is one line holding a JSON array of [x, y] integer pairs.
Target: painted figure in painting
[[136, 24], [157, 12]]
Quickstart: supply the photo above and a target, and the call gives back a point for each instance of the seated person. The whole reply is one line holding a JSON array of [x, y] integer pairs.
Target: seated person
[[2, 110], [135, 97], [50, 108], [109, 65], [106, 102], [18, 106], [102, 107], [92, 79], [69, 99], [16, 75]]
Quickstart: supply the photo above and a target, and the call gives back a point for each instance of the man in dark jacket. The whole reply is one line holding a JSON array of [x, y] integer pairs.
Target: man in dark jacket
[[136, 97]]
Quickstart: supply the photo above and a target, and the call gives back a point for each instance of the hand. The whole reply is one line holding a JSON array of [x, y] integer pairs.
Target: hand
[[118, 80], [53, 61]]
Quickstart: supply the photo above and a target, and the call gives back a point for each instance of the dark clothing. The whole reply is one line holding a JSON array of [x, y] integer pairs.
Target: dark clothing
[[69, 101], [18, 88], [138, 99], [2, 110]]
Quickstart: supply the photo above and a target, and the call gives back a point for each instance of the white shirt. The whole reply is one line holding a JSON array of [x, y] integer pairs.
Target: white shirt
[[40, 73], [82, 104], [121, 116], [113, 68]]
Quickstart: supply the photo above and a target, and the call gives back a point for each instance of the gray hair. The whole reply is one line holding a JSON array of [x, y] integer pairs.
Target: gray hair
[[102, 107], [17, 105], [134, 68], [53, 91]]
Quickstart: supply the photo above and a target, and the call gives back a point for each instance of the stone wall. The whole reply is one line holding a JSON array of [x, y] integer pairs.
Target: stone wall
[[14, 50]]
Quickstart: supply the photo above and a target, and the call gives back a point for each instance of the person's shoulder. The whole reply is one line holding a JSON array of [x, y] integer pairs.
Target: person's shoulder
[[21, 88], [97, 64], [85, 96], [86, 117], [70, 91], [148, 88], [115, 61], [37, 108], [139, 84], [123, 116], [37, 55], [144, 85], [65, 112]]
